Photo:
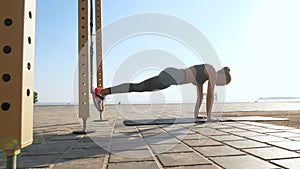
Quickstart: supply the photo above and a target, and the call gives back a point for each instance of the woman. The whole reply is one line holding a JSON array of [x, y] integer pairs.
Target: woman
[[196, 75]]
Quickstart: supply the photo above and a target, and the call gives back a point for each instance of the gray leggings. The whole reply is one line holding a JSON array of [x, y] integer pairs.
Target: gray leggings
[[168, 77]]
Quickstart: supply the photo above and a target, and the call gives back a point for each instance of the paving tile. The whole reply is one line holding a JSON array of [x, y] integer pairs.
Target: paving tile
[[295, 131], [172, 127], [293, 163], [36, 161], [187, 125], [84, 153], [128, 143], [218, 151], [211, 132], [218, 133], [263, 130], [290, 145], [280, 127], [88, 163], [180, 131], [176, 159], [246, 144], [38, 139], [243, 162], [162, 140], [257, 124], [85, 144], [192, 137], [255, 118], [232, 129], [218, 126], [202, 143], [285, 134], [66, 137], [205, 124], [227, 138], [248, 134], [103, 143], [144, 128], [197, 129], [151, 131], [295, 138], [267, 139], [214, 125], [241, 125], [233, 123], [131, 156], [161, 135], [170, 148], [249, 127], [28, 148], [135, 134], [52, 147], [125, 129], [133, 165], [195, 167], [204, 130], [270, 153]]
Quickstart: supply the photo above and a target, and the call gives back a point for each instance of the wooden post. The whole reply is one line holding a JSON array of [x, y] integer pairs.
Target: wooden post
[[99, 58], [83, 58], [99, 44], [17, 27]]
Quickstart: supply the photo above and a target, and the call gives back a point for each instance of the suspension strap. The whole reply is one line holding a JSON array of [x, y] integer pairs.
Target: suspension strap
[[91, 44]]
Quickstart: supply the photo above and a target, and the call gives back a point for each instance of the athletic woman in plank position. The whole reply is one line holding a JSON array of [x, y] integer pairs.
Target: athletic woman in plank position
[[196, 75]]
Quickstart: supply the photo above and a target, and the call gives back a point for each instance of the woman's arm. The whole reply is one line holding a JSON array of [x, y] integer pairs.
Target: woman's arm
[[212, 78], [199, 100], [209, 99]]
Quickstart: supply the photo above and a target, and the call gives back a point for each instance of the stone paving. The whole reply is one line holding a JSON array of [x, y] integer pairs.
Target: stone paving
[[110, 144]]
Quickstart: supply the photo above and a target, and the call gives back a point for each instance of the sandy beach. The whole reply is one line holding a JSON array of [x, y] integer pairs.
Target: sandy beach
[[292, 115], [289, 110]]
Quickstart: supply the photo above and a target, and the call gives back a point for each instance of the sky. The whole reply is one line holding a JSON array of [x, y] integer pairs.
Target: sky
[[257, 39]]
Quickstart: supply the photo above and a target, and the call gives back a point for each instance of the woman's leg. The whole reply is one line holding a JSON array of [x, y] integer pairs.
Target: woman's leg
[[151, 84], [166, 78]]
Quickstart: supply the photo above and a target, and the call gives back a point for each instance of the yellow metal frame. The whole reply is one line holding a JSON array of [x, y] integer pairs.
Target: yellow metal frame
[[16, 74]]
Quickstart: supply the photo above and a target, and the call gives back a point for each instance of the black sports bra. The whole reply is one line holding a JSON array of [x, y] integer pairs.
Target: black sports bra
[[201, 76]]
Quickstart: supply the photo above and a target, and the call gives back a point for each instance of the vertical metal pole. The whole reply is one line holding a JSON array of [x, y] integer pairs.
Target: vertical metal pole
[[99, 44], [17, 27], [99, 59], [83, 58], [91, 44]]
